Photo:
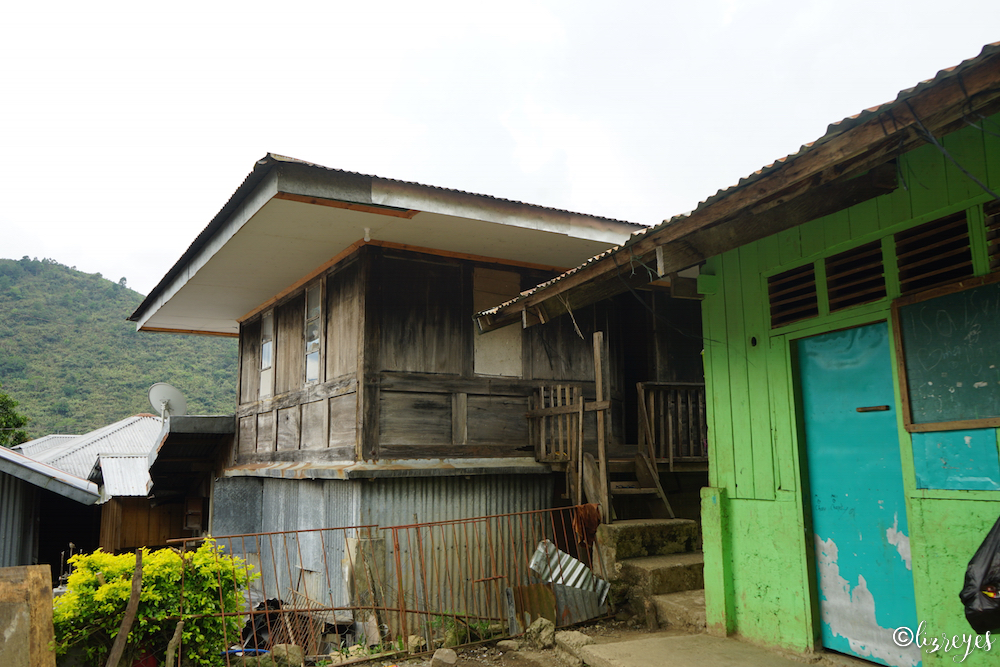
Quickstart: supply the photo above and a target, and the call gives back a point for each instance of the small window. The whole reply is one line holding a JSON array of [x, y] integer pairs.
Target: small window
[[855, 277], [934, 253], [992, 213], [314, 310], [792, 295], [266, 354]]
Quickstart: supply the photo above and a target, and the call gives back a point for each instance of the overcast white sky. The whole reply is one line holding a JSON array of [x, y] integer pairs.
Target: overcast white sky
[[125, 126]]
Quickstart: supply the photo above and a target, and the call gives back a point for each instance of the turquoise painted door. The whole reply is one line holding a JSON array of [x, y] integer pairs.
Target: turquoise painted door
[[856, 494]]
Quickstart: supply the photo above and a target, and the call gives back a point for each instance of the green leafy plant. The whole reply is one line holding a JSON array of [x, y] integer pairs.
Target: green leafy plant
[[90, 613]]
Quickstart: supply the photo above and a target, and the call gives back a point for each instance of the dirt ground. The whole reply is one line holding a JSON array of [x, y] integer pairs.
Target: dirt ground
[[488, 655]]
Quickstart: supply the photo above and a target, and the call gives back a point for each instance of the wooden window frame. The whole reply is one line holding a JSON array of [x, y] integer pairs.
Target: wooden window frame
[[266, 386], [318, 321]]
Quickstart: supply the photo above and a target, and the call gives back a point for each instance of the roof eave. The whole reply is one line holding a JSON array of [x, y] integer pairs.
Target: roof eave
[[850, 148]]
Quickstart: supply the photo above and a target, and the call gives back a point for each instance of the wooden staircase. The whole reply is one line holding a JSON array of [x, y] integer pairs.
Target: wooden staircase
[[634, 489], [626, 488]]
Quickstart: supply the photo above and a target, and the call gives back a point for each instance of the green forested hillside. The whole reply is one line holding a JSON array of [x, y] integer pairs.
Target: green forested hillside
[[73, 363]]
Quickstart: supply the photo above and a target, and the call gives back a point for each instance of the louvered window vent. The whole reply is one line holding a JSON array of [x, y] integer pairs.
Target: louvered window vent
[[855, 277], [934, 253], [792, 295], [992, 213]]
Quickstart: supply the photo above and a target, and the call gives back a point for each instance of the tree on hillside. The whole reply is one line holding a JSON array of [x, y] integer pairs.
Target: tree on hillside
[[11, 422]]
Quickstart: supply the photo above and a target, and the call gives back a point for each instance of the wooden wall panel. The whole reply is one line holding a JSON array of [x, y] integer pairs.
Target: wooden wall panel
[[250, 361], [289, 332], [143, 526], [342, 321], [415, 419], [289, 428], [313, 429], [111, 525], [265, 432], [757, 326], [679, 342], [343, 425], [247, 435], [497, 420], [426, 326], [554, 351]]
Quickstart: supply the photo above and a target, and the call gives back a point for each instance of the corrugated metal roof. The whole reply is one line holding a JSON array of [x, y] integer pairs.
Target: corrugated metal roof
[[47, 477], [42, 444], [132, 435], [124, 475], [833, 130]]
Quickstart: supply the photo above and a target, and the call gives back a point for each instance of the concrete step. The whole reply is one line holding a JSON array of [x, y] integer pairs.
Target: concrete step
[[681, 610], [658, 575], [637, 538]]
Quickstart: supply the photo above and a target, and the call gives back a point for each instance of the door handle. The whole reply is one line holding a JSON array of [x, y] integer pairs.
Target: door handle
[[874, 408]]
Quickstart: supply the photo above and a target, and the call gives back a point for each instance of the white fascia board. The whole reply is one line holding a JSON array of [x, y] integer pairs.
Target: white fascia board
[[499, 211], [247, 209]]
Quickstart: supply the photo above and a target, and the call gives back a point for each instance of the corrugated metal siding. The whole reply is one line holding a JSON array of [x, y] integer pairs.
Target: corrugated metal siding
[[250, 505], [236, 505], [314, 562], [403, 501], [18, 508]]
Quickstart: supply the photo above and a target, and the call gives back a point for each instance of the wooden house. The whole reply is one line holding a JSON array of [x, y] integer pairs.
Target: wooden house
[[852, 352], [366, 394]]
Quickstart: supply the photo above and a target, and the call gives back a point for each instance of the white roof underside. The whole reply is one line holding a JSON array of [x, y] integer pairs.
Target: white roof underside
[[267, 244]]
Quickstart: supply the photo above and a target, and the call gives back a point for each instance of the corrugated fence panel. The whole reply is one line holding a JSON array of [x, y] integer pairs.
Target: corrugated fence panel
[[18, 506], [454, 568]]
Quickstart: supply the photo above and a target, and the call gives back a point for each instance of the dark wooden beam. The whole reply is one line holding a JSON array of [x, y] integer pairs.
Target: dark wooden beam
[[752, 224]]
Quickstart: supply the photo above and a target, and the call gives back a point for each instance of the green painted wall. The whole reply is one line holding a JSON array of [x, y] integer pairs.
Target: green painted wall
[[759, 572]]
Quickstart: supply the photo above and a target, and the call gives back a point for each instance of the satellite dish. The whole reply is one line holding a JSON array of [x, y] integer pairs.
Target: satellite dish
[[167, 399]]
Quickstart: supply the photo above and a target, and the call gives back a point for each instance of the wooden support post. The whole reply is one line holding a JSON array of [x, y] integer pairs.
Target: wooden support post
[[579, 447], [130, 612], [602, 379]]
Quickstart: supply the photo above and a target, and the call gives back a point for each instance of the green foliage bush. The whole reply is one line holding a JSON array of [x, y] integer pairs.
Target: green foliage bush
[[89, 614]]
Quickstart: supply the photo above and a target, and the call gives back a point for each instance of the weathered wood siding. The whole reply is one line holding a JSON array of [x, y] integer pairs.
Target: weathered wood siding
[[425, 315], [402, 371], [289, 321], [343, 300], [129, 523], [754, 518]]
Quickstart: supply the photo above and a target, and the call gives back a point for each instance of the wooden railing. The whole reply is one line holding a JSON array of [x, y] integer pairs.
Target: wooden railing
[[555, 416], [672, 425]]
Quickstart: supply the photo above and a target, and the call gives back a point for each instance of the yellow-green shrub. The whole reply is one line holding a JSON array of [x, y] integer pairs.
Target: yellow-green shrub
[[89, 614]]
